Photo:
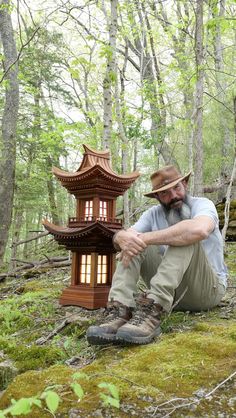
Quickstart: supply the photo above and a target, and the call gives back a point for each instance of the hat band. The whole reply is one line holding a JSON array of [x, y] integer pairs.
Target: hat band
[[165, 183]]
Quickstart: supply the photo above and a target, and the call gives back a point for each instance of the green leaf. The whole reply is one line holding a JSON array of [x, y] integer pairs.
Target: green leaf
[[106, 51], [56, 386], [80, 375], [67, 343], [52, 400], [78, 390], [108, 400], [37, 402], [21, 407], [111, 388]]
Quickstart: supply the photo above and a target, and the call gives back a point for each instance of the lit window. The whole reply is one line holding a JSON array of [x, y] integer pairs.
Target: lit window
[[85, 269], [88, 210], [102, 269], [103, 210]]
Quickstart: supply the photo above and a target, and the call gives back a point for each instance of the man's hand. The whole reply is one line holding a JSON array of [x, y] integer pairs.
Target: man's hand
[[130, 243]]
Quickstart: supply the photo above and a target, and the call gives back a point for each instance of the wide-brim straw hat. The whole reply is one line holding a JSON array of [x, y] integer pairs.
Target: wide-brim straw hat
[[165, 178]]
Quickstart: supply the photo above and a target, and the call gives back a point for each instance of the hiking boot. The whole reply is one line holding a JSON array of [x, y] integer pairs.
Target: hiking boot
[[117, 315], [144, 326]]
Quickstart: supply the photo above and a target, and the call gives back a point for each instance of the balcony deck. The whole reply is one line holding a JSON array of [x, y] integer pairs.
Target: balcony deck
[[83, 221]]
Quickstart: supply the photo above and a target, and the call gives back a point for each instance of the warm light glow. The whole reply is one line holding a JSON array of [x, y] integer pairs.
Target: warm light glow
[[88, 210], [102, 269], [103, 210], [85, 269]]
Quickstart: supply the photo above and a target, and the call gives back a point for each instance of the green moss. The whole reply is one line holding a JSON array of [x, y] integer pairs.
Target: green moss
[[179, 364], [199, 355], [75, 330], [176, 365], [7, 373], [15, 322], [33, 383], [176, 320], [41, 286], [35, 357], [17, 314], [231, 261], [6, 342]]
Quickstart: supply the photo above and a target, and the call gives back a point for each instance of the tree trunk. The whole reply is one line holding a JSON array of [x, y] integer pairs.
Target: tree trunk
[[110, 76], [51, 192], [220, 92], [232, 179], [181, 54], [9, 121], [124, 142], [155, 98], [198, 112], [17, 225]]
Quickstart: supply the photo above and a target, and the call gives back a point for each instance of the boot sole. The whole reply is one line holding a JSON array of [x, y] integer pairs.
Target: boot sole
[[124, 338], [100, 339]]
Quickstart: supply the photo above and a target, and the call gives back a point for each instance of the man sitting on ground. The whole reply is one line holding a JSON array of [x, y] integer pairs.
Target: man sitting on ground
[[177, 248]]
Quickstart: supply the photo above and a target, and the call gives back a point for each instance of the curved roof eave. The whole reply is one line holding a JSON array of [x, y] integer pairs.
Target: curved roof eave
[[76, 232], [75, 176]]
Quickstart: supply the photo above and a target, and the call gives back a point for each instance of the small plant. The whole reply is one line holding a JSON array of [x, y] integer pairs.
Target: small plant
[[112, 399], [24, 405], [77, 388], [51, 398], [21, 407]]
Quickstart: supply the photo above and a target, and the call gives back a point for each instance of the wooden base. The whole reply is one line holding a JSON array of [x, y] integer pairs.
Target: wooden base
[[85, 296]]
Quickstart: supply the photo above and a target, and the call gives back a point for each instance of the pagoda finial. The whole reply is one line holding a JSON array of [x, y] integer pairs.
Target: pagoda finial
[[92, 157]]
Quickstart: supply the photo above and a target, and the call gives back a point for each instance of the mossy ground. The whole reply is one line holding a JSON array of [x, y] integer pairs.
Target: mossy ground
[[193, 355]]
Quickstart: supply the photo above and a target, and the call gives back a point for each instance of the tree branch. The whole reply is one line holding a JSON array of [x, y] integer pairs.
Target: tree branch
[[43, 234], [219, 101], [19, 54]]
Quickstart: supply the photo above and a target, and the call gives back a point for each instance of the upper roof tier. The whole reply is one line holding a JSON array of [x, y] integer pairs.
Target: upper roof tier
[[95, 173]]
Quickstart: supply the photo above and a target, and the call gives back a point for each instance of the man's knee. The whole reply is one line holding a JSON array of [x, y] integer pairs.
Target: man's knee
[[151, 259]]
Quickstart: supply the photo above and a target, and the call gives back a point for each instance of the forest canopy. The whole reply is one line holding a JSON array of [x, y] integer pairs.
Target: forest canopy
[[151, 80]]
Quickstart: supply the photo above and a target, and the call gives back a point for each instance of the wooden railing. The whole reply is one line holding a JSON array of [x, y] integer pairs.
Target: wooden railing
[[82, 221]]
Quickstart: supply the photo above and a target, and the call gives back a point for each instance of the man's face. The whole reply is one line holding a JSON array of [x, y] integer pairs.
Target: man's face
[[173, 198]]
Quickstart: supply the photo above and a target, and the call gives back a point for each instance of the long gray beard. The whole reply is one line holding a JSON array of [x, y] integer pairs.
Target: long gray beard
[[174, 216]]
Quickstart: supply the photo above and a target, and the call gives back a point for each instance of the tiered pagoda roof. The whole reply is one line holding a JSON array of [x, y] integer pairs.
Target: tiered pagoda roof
[[95, 173], [94, 176]]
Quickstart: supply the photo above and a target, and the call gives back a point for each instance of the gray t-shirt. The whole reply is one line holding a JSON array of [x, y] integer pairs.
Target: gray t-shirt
[[154, 219]]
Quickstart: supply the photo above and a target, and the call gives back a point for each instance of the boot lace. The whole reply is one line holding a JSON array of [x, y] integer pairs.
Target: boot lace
[[142, 313], [112, 313]]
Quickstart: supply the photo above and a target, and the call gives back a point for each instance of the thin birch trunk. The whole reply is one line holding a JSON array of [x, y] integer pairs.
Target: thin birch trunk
[[110, 75], [124, 145], [17, 225], [198, 113], [220, 89], [232, 179], [227, 202], [149, 80], [9, 121], [179, 41], [119, 99]]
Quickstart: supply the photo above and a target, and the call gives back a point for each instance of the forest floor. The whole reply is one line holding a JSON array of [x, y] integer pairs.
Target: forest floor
[[46, 362]]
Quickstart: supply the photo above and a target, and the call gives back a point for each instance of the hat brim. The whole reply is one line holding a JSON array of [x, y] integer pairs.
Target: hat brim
[[168, 186]]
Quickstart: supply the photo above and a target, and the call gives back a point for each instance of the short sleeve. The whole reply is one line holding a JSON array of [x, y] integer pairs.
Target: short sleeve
[[144, 224], [205, 207]]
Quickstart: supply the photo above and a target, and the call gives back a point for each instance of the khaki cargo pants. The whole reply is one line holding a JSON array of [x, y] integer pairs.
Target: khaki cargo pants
[[182, 275]]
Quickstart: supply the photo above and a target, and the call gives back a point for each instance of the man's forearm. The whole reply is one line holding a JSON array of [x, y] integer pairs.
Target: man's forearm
[[186, 232]]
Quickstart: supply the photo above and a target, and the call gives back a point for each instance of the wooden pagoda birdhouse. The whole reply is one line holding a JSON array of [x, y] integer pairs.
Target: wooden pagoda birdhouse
[[89, 234]]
